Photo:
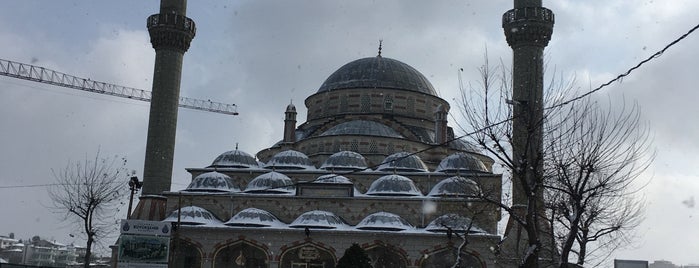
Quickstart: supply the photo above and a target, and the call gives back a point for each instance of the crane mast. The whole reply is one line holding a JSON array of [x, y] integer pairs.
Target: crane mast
[[47, 76]]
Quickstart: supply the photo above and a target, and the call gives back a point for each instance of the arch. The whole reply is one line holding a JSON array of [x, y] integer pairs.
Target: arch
[[446, 257], [241, 253], [386, 256], [186, 254], [307, 255]]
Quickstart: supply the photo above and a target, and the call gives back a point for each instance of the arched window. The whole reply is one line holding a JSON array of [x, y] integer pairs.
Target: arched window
[[307, 255], [384, 257], [448, 257], [185, 254], [240, 254]]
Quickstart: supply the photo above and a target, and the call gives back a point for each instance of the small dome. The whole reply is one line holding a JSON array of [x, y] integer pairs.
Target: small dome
[[454, 222], [456, 186], [403, 162], [290, 159], [378, 72], [345, 161], [193, 215], [253, 217], [291, 108], [384, 221], [271, 183], [318, 219], [212, 182], [362, 127], [393, 185], [461, 162], [334, 178], [235, 159]]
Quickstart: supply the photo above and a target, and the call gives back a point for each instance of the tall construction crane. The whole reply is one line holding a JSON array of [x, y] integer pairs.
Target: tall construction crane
[[47, 76]]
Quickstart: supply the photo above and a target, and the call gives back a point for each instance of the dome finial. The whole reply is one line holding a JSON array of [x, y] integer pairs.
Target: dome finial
[[236, 146], [380, 42]]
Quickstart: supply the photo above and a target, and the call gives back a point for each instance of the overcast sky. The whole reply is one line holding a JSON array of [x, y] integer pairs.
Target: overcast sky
[[261, 55]]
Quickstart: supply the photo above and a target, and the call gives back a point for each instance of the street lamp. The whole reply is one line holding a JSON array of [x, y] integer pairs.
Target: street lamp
[[134, 185]]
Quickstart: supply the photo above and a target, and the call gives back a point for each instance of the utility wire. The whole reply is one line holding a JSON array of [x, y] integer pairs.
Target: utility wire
[[619, 77]]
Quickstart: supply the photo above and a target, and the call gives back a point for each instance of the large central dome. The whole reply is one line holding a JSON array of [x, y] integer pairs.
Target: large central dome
[[377, 72]]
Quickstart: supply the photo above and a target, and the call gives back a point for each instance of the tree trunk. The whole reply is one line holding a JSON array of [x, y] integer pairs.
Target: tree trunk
[[88, 251]]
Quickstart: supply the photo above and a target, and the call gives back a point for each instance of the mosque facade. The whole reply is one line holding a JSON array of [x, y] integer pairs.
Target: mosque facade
[[374, 164]]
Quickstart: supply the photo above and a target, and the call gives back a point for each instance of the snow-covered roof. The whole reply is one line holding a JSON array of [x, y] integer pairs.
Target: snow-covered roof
[[345, 160], [235, 159], [271, 182], [212, 182], [193, 215], [393, 184], [289, 159], [334, 178], [384, 221], [456, 223], [403, 162], [461, 162], [318, 219], [253, 217], [455, 186]]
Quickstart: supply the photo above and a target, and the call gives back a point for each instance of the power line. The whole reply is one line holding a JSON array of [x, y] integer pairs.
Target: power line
[[619, 77]]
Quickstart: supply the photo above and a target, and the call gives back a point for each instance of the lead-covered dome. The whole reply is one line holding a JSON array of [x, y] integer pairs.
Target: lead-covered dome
[[345, 161], [453, 222], [254, 217], [271, 183], [461, 162], [290, 159], [362, 127], [384, 221], [318, 219], [377, 72], [393, 185], [403, 162], [235, 159], [212, 182], [455, 186], [192, 215]]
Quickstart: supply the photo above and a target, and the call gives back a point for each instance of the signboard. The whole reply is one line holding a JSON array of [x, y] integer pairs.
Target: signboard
[[144, 244], [141, 227]]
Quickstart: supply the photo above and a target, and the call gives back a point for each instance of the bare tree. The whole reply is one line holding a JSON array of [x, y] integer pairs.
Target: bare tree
[[488, 113], [593, 159], [590, 158], [88, 194]]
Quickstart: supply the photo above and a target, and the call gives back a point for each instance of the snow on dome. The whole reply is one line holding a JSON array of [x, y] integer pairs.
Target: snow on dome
[[212, 182], [318, 219], [455, 186], [235, 159], [454, 222], [461, 162], [393, 184], [290, 159], [345, 160], [362, 127], [384, 221], [253, 217], [193, 215], [334, 178], [403, 162], [272, 183]]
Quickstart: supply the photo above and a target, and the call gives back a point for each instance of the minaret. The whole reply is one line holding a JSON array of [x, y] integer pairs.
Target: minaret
[[440, 124], [171, 33], [528, 28], [290, 123]]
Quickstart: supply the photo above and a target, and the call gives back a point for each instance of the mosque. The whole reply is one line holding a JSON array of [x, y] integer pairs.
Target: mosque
[[374, 164]]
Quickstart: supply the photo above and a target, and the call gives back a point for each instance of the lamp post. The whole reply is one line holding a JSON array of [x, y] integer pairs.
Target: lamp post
[[134, 185]]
